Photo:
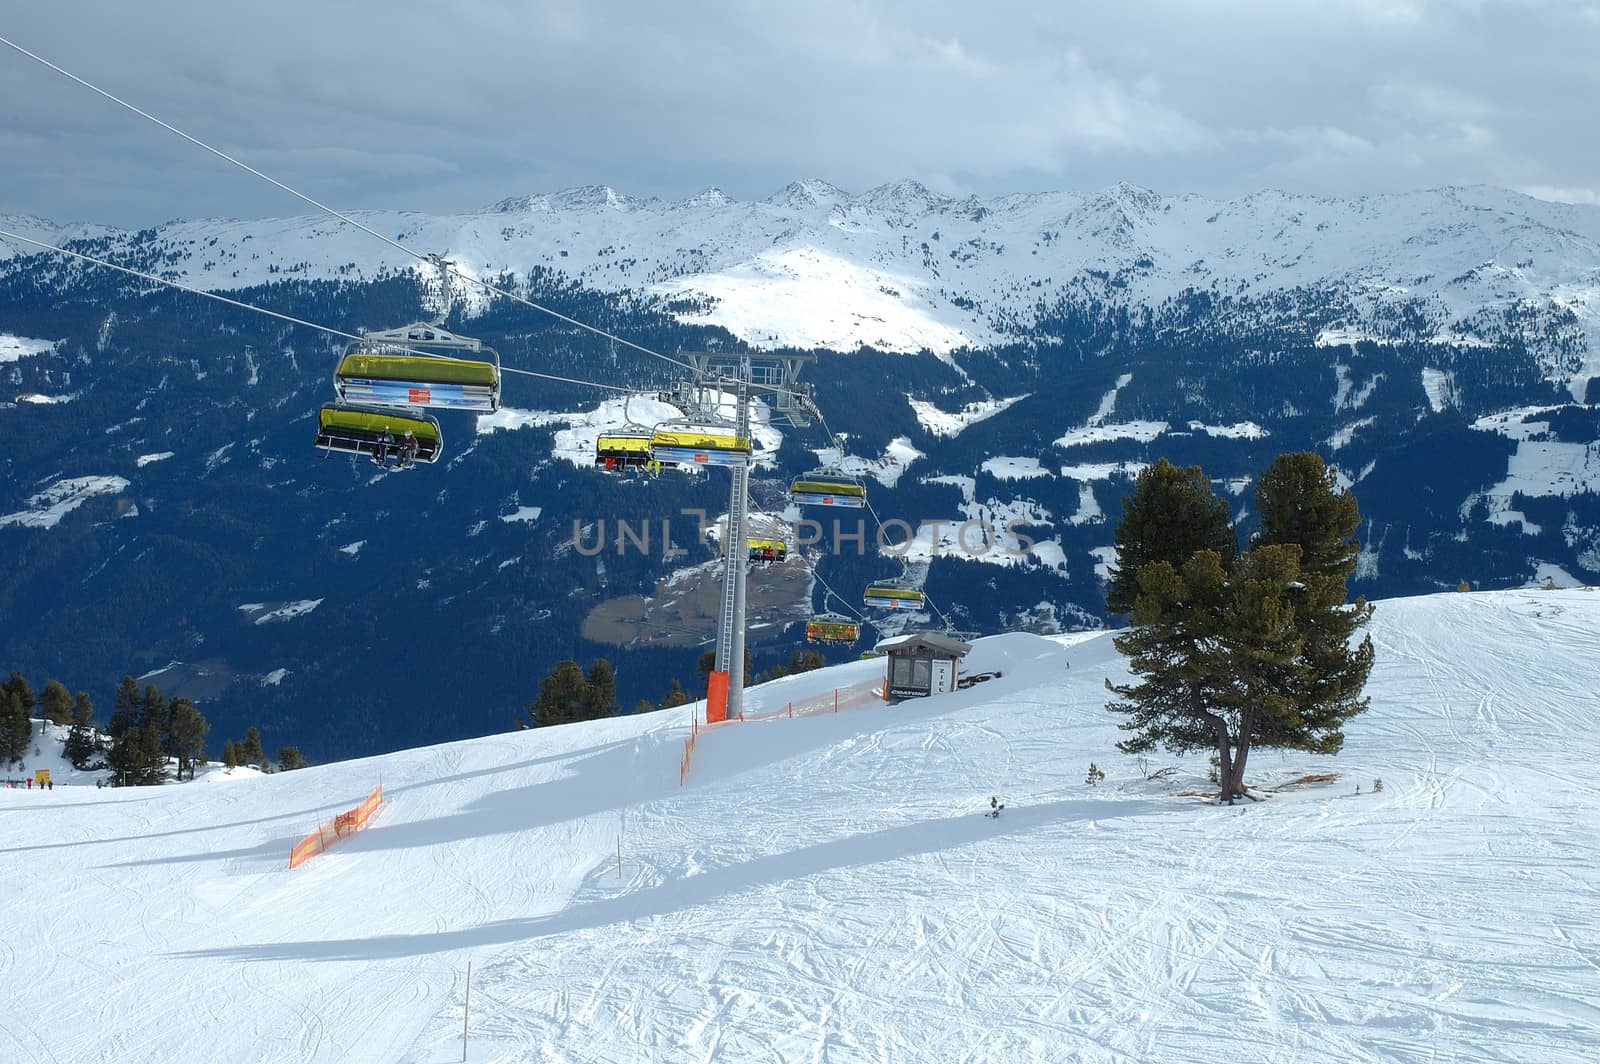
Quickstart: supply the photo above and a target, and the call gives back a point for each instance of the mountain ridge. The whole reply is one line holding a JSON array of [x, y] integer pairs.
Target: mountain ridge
[[900, 267]]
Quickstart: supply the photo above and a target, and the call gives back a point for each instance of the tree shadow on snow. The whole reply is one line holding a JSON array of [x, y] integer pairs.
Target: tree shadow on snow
[[713, 888], [355, 843]]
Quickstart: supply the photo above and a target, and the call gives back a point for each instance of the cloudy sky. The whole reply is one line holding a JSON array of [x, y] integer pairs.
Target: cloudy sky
[[454, 105]]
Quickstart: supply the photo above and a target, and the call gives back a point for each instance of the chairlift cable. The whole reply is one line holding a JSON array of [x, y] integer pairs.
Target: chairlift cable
[[343, 217], [838, 445], [348, 220], [844, 603], [180, 286], [905, 566]]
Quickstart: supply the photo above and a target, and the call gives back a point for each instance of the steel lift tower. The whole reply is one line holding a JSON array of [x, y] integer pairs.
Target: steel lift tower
[[747, 376]]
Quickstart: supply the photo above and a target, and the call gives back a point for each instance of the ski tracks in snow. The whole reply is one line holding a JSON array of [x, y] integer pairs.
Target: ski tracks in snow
[[826, 889]]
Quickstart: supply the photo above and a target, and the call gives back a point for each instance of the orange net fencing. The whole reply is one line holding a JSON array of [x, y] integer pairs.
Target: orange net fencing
[[856, 696], [351, 820]]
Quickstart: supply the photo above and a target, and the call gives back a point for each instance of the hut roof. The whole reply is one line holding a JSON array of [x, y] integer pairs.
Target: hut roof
[[940, 644]]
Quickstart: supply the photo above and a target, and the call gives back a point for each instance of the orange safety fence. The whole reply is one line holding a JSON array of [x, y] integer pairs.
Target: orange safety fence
[[351, 820], [688, 749], [856, 696]]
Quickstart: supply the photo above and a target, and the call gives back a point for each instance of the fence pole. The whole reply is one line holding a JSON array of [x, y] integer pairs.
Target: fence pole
[[791, 710], [836, 700], [466, 1011]]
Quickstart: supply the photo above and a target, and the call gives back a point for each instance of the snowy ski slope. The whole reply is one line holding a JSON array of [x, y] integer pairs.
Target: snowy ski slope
[[825, 888]]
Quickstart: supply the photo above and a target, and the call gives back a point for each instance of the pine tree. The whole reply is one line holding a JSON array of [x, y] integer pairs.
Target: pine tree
[[55, 703], [644, 705], [1302, 505], [154, 710], [1215, 651], [20, 723], [187, 738], [79, 747], [806, 660], [250, 752], [16, 730], [600, 691], [230, 754], [18, 684], [289, 759], [561, 695], [125, 711], [1171, 514], [150, 759], [675, 696], [123, 759]]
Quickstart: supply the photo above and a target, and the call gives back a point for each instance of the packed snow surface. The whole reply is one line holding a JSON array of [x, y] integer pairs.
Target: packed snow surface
[[827, 888]]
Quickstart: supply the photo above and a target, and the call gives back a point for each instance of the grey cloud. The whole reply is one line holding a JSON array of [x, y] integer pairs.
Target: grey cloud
[[442, 107]]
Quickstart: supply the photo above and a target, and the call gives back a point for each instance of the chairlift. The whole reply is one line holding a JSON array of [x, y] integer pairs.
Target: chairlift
[[832, 628], [892, 596], [766, 549], [616, 451], [367, 430], [378, 374], [627, 447], [823, 488], [683, 441]]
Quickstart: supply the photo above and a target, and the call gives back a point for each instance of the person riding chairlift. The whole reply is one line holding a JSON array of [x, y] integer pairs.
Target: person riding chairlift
[[381, 449], [408, 449]]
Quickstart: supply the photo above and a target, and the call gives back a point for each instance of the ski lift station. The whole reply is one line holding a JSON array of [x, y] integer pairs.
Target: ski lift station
[[922, 664]]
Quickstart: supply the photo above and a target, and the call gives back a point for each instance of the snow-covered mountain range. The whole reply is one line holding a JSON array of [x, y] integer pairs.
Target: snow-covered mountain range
[[902, 268], [157, 446]]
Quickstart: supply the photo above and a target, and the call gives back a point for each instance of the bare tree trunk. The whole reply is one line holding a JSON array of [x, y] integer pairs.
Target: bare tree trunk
[[1231, 755], [1225, 772], [1241, 752]]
